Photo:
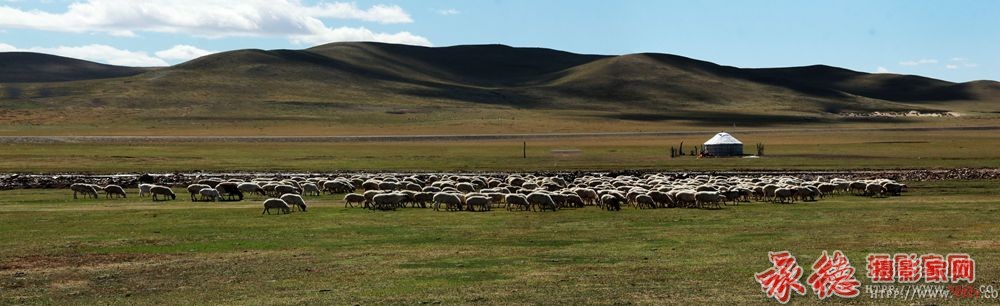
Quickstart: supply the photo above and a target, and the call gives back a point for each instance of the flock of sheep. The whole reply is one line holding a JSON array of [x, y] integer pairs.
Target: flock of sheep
[[455, 192]]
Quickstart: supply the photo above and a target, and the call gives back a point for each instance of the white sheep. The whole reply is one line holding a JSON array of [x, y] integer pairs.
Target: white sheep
[[209, 194], [294, 200], [452, 201], [87, 190], [278, 204], [164, 191], [351, 198], [144, 189], [115, 190], [195, 189]]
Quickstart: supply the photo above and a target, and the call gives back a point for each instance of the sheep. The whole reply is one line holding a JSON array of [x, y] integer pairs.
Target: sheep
[[478, 201], [294, 200], [452, 201], [661, 199], [589, 196], [274, 203], [386, 201], [783, 194], [87, 190], [114, 190], [874, 190], [283, 189], [687, 198], [893, 189], [230, 191], [209, 194], [516, 200], [335, 187], [144, 189], [163, 191], [311, 189], [251, 188], [195, 189], [644, 201], [541, 200], [708, 197], [351, 198], [422, 198], [611, 202]]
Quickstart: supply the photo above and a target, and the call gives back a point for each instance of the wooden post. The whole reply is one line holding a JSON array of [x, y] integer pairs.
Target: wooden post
[[524, 151]]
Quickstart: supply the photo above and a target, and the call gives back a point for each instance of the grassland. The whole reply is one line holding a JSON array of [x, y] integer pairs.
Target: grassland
[[54, 250], [783, 150]]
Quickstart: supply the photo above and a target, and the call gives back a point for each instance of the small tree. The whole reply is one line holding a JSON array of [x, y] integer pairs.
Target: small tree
[[760, 149]]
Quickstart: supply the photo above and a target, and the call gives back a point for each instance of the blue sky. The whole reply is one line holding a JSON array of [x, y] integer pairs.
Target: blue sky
[[951, 40]]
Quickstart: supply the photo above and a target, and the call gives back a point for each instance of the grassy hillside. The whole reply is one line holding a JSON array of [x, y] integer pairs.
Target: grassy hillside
[[364, 86], [26, 67]]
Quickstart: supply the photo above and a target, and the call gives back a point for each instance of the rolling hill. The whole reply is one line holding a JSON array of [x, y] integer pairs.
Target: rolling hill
[[333, 80], [26, 67]]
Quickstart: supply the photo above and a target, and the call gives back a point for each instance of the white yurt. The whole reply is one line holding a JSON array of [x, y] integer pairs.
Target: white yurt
[[723, 144]]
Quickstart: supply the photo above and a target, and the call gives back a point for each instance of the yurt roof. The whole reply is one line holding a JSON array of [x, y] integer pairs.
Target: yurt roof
[[723, 138]]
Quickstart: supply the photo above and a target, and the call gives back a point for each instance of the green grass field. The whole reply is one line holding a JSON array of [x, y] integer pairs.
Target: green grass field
[[54, 250], [783, 150]]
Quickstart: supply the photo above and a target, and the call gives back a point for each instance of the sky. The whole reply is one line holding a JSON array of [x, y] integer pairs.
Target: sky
[[955, 40]]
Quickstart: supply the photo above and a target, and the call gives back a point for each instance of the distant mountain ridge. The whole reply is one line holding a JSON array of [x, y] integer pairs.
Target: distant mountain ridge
[[27, 67], [365, 73]]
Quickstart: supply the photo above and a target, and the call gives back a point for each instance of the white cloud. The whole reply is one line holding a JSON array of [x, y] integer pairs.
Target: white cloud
[[449, 12], [97, 53], [182, 53], [324, 35], [213, 19], [960, 62], [918, 62], [881, 69]]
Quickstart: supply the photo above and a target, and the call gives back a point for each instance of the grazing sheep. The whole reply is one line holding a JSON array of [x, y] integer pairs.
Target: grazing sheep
[[516, 200], [351, 198], [478, 201], [611, 202], [209, 194], [278, 204], [686, 198], [874, 190], [704, 198], [144, 189], [783, 194], [311, 189], [643, 201], [452, 201], [892, 189], [283, 189], [87, 190], [589, 196], [251, 188], [163, 191], [114, 190], [542, 201], [423, 198], [195, 189], [387, 201], [230, 191], [573, 200], [295, 201]]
